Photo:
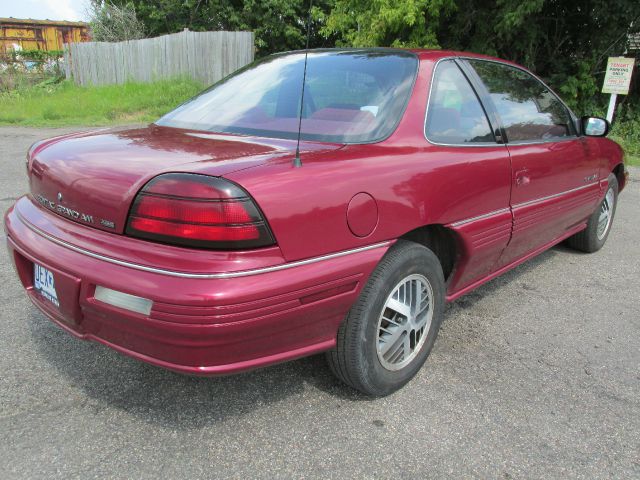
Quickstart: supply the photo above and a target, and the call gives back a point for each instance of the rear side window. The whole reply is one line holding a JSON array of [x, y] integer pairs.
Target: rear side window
[[455, 115], [528, 109]]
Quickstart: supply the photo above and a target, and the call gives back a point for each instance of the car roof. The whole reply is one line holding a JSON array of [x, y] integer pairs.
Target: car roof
[[435, 55], [423, 54]]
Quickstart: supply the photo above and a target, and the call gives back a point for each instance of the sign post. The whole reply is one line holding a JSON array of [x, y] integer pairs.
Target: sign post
[[617, 80]]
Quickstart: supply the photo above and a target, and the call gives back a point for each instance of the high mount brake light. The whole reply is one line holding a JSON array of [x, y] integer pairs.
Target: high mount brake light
[[197, 211]]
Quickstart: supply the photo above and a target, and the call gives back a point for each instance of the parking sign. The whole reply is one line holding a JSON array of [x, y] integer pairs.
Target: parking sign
[[618, 76]]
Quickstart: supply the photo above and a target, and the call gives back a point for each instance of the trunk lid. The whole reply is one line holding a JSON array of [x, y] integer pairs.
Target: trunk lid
[[92, 178]]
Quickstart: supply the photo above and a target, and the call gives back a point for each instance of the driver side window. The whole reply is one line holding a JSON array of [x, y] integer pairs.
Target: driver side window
[[528, 109]]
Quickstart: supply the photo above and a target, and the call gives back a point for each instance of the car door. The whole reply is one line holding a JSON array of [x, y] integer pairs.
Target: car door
[[475, 173], [554, 179]]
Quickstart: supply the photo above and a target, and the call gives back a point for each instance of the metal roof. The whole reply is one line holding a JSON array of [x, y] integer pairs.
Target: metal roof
[[31, 21]]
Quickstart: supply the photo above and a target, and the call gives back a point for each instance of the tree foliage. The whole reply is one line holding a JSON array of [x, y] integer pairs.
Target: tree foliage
[[404, 23], [114, 23], [278, 25], [566, 42]]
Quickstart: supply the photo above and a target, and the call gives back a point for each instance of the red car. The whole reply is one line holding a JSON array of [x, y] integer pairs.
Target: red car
[[203, 244]]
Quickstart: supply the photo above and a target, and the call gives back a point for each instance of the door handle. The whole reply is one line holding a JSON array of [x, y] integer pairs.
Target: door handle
[[522, 178]]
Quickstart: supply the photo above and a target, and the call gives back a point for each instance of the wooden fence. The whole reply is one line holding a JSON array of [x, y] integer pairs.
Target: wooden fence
[[206, 56]]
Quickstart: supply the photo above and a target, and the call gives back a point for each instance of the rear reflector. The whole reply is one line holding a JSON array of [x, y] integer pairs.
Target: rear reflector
[[123, 300], [197, 211]]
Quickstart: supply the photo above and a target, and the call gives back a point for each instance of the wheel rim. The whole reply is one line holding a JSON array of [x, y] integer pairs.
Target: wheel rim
[[404, 322], [606, 214]]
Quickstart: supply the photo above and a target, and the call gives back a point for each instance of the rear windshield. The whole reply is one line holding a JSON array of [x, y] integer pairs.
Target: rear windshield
[[350, 97]]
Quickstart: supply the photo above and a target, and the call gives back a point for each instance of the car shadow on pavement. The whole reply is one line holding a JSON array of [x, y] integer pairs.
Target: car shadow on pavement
[[156, 395], [159, 396]]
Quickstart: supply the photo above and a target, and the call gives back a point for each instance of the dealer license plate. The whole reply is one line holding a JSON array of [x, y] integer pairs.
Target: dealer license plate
[[44, 284]]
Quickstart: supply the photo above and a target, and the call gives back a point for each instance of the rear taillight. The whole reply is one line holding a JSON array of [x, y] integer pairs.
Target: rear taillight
[[197, 211]]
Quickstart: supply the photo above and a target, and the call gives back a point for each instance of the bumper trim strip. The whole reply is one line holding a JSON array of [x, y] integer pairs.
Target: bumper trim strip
[[173, 273]]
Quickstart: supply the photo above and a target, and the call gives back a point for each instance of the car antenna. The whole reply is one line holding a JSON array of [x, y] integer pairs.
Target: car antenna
[[297, 162]]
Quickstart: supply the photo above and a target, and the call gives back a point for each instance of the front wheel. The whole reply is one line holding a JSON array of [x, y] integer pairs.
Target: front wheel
[[390, 331], [592, 238]]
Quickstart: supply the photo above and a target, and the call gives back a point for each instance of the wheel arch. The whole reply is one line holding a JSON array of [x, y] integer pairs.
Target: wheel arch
[[619, 172], [442, 241]]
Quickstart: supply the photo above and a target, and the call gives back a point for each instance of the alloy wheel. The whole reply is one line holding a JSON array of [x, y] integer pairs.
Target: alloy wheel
[[404, 322], [606, 214]]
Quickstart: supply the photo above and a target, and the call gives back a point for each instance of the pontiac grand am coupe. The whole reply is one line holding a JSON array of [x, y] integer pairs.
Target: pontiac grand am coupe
[[204, 244]]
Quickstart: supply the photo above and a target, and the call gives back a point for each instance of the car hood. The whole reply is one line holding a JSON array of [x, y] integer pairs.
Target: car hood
[[93, 177]]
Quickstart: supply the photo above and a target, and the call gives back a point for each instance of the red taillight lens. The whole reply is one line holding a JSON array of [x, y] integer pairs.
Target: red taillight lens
[[193, 211], [197, 211]]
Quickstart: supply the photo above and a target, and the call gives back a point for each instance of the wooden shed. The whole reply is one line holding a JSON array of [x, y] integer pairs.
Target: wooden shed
[[31, 34]]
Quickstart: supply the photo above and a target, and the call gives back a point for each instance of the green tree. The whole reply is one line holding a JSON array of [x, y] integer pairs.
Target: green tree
[[566, 42], [397, 23], [278, 25], [114, 23]]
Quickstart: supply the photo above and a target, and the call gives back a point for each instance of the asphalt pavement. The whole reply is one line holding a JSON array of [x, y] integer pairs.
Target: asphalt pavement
[[534, 375]]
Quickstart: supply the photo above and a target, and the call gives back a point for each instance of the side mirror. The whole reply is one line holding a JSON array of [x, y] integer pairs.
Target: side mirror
[[595, 126]]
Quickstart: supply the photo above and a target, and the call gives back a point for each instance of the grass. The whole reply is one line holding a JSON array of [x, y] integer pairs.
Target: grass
[[631, 149], [52, 104], [626, 131], [626, 134], [632, 160], [631, 152]]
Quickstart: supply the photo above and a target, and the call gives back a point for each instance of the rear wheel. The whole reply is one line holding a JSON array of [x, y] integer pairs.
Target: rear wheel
[[389, 332], [592, 238]]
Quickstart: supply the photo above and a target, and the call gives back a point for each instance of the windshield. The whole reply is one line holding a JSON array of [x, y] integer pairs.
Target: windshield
[[350, 97]]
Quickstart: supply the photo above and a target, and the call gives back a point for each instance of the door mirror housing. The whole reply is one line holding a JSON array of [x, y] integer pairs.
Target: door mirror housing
[[595, 126]]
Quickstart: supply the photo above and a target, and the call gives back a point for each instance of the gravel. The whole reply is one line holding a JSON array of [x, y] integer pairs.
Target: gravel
[[534, 375]]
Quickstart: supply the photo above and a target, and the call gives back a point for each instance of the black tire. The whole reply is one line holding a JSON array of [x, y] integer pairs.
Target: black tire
[[355, 359], [588, 240]]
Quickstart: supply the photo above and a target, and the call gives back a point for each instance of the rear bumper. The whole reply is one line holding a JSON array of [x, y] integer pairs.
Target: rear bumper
[[198, 324]]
